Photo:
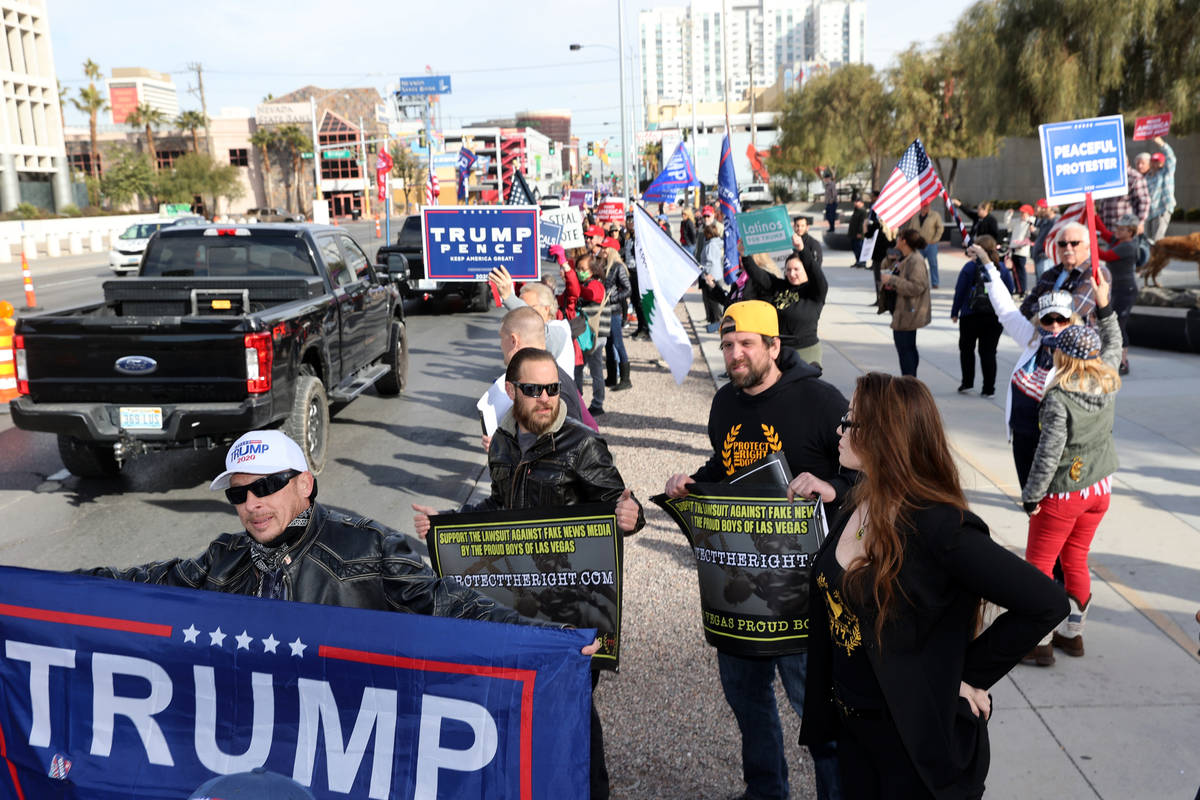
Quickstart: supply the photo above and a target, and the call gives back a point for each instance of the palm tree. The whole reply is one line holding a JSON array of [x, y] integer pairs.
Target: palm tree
[[191, 121], [294, 142], [265, 139], [91, 102], [149, 117]]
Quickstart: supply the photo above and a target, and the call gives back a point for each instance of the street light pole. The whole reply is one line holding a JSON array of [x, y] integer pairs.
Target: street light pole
[[312, 101], [621, 77]]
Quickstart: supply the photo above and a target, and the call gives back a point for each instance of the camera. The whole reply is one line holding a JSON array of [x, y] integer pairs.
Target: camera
[[1003, 239]]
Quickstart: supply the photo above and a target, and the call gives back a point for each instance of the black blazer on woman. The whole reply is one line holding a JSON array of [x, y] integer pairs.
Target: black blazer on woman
[[929, 647]]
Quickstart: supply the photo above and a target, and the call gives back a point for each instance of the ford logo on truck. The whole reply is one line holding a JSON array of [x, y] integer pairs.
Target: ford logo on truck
[[136, 365]]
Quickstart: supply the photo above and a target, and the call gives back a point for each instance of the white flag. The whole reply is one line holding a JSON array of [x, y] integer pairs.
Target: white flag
[[665, 271]]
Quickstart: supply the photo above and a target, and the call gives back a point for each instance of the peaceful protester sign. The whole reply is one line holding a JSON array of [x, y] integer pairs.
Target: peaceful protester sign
[[558, 564], [111, 690], [754, 552]]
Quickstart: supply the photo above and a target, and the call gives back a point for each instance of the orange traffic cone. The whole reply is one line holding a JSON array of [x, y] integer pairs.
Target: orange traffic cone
[[378, 230], [8, 368], [30, 297]]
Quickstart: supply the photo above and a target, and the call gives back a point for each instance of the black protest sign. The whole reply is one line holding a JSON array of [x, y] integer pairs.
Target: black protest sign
[[754, 552], [559, 564]]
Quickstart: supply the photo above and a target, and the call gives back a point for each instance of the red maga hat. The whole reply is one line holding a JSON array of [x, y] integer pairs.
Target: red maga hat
[[1041, 203], [594, 230], [1159, 158], [611, 242], [709, 210]]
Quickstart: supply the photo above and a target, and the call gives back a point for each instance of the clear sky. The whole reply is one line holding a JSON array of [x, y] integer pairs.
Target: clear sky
[[501, 58]]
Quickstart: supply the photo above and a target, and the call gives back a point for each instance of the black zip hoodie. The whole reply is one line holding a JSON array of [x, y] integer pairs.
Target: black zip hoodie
[[799, 415]]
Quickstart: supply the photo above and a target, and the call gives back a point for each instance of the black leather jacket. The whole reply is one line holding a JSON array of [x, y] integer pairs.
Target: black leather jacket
[[567, 465], [339, 560]]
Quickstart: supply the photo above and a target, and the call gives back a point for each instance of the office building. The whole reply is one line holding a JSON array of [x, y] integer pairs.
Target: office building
[[33, 162], [686, 47], [130, 87]]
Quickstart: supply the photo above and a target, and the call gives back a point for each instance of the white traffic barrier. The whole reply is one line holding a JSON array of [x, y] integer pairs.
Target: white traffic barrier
[[53, 246], [5, 251], [74, 243], [29, 247], [95, 242]]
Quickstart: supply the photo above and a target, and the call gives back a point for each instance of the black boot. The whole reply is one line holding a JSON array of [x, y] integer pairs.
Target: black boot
[[624, 382]]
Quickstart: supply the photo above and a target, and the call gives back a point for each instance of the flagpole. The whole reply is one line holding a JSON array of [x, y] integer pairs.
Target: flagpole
[[725, 60], [621, 77]]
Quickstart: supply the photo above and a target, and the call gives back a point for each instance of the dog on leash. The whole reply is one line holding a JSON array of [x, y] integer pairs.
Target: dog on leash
[[1184, 248]]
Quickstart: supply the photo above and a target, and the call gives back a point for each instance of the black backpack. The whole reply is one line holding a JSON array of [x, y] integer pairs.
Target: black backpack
[[978, 300]]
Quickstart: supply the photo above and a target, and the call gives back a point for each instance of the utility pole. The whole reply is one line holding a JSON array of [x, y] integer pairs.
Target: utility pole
[[198, 68], [750, 66]]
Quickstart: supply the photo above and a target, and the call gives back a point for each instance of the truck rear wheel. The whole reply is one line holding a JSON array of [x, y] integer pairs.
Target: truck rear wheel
[[87, 459], [393, 383], [308, 423], [481, 299]]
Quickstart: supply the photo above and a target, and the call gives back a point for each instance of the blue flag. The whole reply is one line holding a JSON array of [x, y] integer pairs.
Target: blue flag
[[677, 176], [115, 690], [727, 198], [465, 159]]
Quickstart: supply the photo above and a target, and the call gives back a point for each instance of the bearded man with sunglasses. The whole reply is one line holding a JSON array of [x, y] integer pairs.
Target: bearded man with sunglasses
[[540, 457], [294, 548]]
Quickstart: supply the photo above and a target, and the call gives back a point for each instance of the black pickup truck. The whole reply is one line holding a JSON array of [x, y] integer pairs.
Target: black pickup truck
[[477, 296], [225, 330]]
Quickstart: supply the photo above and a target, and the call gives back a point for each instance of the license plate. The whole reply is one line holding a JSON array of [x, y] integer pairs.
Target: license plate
[[425, 283], [141, 418]]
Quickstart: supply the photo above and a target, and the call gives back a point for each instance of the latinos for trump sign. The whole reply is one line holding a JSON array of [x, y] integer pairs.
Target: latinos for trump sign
[[559, 564], [464, 243], [116, 690], [754, 553], [1082, 156], [766, 231]]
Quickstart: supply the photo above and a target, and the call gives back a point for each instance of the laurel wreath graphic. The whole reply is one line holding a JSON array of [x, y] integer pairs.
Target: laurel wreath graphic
[[772, 437], [727, 448]]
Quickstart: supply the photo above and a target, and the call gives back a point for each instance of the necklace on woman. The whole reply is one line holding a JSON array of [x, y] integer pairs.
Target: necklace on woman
[[862, 529]]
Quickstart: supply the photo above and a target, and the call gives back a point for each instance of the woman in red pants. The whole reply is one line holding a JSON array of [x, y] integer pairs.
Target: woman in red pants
[[1070, 484]]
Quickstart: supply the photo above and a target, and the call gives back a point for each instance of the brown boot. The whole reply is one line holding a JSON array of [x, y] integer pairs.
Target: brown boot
[[1041, 655], [1069, 636]]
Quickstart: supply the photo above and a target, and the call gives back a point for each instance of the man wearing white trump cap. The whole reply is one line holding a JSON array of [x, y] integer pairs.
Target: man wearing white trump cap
[[294, 548]]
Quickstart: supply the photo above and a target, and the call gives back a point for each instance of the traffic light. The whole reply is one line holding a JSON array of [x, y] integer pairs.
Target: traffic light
[[587, 176], [591, 152], [421, 139], [371, 148], [551, 147]]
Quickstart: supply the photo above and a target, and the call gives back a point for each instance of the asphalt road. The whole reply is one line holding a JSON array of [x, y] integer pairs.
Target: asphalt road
[[385, 453]]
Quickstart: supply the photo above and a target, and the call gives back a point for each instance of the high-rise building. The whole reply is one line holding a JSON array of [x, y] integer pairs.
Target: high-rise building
[[682, 47], [129, 87], [33, 159]]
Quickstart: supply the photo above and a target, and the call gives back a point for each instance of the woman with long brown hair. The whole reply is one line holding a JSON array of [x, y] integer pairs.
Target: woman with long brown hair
[[898, 669]]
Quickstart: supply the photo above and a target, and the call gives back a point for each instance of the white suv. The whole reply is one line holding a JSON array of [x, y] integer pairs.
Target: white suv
[[756, 193], [126, 255]]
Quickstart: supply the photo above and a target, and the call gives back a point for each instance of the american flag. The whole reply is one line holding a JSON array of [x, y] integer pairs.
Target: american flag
[[911, 183], [1075, 213], [432, 188]]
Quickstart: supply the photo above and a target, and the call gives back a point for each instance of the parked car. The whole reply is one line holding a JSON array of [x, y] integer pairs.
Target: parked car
[[126, 255], [225, 330], [477, 295], [274, 215], [756, 194]]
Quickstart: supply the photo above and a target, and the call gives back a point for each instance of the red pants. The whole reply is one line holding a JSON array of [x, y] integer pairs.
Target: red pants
[[1063, 529]]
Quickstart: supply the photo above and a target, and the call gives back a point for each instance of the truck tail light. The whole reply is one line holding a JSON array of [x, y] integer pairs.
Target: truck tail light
[[22, 365], [260, 356]]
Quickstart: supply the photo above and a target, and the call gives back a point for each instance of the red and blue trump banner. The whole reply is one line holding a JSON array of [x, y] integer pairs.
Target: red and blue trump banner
[[116, 690]]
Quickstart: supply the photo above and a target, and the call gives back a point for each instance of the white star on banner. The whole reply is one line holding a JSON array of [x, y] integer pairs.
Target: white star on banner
[[216, 638], [189, 634], [244, 641], [298, 647], [270, 643]]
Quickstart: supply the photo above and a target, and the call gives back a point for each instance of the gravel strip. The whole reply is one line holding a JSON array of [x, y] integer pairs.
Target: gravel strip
[[667, 728]]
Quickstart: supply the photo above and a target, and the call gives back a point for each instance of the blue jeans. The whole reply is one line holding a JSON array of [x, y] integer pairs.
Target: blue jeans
[[906, 348], [930, 253], [749, 689], [1040, 265], [616, 343]]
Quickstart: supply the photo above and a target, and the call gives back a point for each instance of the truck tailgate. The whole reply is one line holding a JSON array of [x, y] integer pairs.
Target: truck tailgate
[[177, 360]]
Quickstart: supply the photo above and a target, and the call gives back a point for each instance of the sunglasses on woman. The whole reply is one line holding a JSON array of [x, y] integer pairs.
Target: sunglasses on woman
[[263, 487], [536, 389], [1054, 319], [845, 423]]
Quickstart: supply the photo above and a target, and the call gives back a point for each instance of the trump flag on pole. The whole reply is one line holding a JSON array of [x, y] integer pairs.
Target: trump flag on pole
[[664, 273], [731, 206], [115, 690], [677, 176]]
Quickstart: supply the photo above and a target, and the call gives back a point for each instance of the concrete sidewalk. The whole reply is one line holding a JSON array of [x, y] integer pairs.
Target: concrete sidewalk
[[1123, 721]]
